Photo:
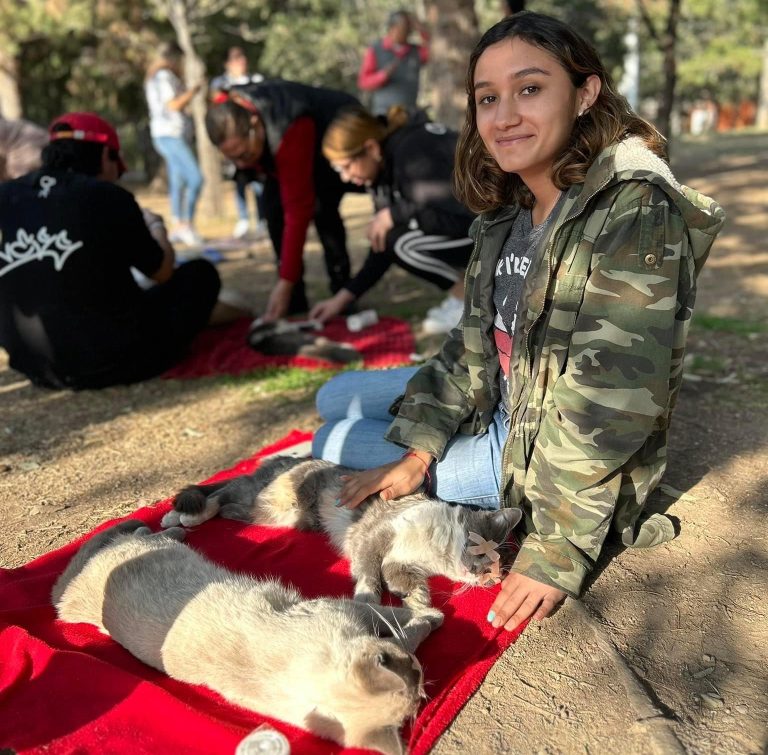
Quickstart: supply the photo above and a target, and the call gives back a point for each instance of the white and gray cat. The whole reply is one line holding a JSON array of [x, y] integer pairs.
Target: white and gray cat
[[339, 668], [400, 542]]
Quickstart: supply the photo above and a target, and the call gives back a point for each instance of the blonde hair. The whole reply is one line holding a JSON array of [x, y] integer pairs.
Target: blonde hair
[[478, 180], [347, 134], [168, 55]]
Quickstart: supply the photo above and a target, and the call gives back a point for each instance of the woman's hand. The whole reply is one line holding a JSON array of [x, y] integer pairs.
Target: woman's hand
[[378, 229], [522, 598], [392, 480], [279, 301], [328, 308]]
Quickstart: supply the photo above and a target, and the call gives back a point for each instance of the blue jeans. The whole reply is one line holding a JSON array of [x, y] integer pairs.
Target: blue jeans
[[355, 408], [183, 173], [241, 198]]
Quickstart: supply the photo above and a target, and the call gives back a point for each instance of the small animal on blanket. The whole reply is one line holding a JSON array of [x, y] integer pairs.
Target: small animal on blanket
[[339, 668], [399, 543], [298, 338]]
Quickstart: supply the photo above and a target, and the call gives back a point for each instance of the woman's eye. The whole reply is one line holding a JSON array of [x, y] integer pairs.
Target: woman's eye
[[487, 100], [530, 89]]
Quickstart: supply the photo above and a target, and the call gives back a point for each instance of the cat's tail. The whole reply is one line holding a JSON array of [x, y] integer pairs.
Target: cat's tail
[[191, 500], [89, 549]]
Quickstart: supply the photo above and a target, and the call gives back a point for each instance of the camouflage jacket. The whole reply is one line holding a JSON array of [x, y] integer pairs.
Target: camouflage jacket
[[596, 361]]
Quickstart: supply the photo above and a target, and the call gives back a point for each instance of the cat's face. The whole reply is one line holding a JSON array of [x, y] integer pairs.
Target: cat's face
[[493, 526], [380, 685]]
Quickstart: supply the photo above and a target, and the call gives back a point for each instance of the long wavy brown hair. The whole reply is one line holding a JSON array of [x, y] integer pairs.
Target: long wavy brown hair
[[478, 180]]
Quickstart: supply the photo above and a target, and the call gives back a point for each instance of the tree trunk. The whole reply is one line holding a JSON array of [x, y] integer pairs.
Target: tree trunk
[[454, 33], [762, 97], [10, 95], [669, 51], [207, 155]]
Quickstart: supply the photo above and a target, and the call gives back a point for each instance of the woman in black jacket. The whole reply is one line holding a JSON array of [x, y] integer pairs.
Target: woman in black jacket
[[406, 162]]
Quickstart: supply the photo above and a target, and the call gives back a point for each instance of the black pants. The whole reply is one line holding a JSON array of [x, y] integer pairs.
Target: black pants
[[159, 333], [329, 226]]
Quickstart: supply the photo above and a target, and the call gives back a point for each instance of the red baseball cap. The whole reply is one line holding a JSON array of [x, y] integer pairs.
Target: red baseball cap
[[87, 127]]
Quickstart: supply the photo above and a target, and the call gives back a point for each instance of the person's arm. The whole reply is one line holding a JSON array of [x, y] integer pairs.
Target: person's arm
[[425, 40], [370, 76], [180, 101], [294, 164], [612, 395], [130, 237], [156, 227]]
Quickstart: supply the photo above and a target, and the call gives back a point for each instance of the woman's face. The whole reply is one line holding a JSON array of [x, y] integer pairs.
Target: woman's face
[[363, 168], [245, 151], [526, 107]]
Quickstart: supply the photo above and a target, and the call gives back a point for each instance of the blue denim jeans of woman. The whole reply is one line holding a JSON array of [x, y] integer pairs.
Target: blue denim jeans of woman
[[185, 181], [241, 199], [355, 407]]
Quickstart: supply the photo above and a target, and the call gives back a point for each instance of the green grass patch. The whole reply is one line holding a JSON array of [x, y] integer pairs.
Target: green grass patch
[[728, 325], [708, 365]]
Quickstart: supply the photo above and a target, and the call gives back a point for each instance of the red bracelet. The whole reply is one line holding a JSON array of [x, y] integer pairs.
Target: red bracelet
[[426, 465]]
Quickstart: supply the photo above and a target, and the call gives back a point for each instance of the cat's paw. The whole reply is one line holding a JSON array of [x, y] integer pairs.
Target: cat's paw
[[142, 531], [176, 533], [434, 616], [171, 519]]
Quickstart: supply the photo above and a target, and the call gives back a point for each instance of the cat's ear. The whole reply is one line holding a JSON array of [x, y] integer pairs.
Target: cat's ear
[[385, 740], [507, 518], [381, 673]]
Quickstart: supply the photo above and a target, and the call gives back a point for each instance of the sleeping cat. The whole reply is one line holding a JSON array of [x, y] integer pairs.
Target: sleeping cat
[[324, 665], [400, 542]]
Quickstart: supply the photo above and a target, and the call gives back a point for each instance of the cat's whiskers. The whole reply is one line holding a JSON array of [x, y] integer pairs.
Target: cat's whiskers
[[398, 635]]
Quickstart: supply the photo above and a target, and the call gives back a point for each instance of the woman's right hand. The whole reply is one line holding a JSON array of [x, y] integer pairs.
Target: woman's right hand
[[390, 481], [328, 308]]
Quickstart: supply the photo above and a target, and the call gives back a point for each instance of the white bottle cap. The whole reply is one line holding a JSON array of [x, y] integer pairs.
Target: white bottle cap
[[264, 741], [364, 319]]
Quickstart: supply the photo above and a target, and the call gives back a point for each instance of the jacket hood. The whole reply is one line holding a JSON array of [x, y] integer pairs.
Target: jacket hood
[[631, 160]]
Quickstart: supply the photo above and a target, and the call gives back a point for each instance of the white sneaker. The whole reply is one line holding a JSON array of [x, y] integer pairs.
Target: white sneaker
[[444, 318], [241, 228], [185, 234]]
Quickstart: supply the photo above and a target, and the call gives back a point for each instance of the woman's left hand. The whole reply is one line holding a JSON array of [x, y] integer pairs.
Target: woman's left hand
[[378, 229], [522, 598]]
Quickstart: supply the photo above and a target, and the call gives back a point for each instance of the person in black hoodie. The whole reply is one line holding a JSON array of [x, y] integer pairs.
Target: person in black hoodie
[[407, 162], [273, 130]]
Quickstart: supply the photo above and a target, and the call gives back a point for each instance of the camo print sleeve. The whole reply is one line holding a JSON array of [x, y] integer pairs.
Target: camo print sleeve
[[436, 401], [614, 391]]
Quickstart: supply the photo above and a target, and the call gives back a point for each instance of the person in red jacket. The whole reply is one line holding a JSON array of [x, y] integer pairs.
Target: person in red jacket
[[391, 65], [274, 131]]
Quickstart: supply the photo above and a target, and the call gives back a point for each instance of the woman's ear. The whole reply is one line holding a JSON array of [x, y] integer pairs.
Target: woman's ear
[[373, 148], [588, 93]]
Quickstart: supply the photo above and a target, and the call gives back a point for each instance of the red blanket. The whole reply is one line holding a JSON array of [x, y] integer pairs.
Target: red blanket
[[224, 351], [65, 688]]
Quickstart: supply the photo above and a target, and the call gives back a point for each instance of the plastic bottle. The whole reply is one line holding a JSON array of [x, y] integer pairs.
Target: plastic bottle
[[264, 741], [364, 319]]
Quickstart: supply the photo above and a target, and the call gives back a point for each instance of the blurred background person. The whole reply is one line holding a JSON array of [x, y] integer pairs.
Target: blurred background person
[[236, 74], [20, 145], [391, 66], [172, 133], [274, 130], [407, 164]]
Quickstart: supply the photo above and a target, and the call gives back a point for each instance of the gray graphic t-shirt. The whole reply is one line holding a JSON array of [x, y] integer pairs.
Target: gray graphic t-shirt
[[516, 258]]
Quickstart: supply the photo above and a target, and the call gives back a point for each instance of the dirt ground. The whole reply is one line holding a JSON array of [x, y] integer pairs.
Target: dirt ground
[[663, 652]]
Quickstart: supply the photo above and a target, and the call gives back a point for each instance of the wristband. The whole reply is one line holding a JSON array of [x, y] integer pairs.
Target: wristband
[[426, 466]]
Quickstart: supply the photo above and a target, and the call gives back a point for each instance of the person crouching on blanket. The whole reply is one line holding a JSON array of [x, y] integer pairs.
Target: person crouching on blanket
[[407, 163], [555, 393], [272, 131]]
